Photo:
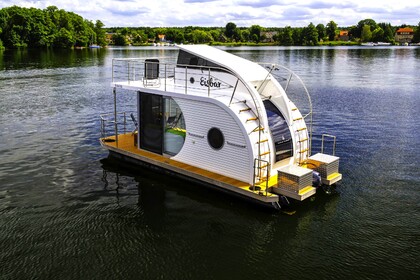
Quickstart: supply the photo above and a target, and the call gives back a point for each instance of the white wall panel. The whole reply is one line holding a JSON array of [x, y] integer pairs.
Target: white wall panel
[[231, 160]]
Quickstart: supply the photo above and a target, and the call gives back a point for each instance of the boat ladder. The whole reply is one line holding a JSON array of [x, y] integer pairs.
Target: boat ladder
[[262, 162], [302, 136]]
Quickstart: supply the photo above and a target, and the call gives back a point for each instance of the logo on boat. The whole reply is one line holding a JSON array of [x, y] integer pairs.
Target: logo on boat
[[209, 82]]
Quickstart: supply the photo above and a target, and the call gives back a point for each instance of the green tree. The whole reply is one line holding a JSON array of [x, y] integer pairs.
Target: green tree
[[31, 27], [321, 31], [100, 33], [389, 32], [255, 33], [119, 39], [310, 35], [416, 38], [286, 36], [1, 42], [297, 36], [246, 36], [64, 39], [366, 35], [330, 30], [237, 36], [378, 35], [230, 29], [360, 25], [179, 38], [200, 36]]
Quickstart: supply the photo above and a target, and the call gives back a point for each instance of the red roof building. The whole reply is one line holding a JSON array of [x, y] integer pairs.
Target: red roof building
[[404, 35]]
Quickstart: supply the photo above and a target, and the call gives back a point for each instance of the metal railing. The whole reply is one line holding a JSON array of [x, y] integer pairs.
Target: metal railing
[[334, 142], [285, 77], [108, 123]]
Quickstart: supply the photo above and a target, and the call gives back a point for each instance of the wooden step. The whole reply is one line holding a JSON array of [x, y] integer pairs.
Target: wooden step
[[303, 140], [294, 109], [303, 151], [252, 119], [301, 129], [258, 128], [244, 110], [262, 141], [265, 153], [297, 119]]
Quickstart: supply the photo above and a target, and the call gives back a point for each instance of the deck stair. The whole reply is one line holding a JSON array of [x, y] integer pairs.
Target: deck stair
[[295, 182], [301, 133], [251, 119]]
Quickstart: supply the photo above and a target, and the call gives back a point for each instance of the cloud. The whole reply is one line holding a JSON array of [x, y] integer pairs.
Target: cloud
[[328, 5], [259, 3], [199, 1], [266, 13]]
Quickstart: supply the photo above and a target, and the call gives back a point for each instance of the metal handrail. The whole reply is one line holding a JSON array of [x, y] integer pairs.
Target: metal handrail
[[308, 96], [106, 122], [322, 142], [258, 168]]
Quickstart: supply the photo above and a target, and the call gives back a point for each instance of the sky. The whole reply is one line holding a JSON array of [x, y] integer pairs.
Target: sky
[[244, 13]]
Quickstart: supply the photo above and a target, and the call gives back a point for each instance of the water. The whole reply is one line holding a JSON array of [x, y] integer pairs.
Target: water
[[68, 212]]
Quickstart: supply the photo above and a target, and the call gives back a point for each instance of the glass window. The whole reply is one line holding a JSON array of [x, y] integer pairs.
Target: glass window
[[279, 130], [174, 126], [215, 138]]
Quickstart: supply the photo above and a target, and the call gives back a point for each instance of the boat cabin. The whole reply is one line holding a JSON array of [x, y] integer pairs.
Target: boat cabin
[[217, 119]]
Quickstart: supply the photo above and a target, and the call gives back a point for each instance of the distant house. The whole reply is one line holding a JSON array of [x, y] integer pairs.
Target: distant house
[[108, 37], [343, 35], [161, 37], [404, 35], [268, 36]]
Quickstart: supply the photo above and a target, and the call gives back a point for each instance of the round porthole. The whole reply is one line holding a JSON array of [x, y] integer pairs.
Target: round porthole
[[215, 138]]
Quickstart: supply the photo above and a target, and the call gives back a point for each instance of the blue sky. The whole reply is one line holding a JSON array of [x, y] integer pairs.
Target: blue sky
[[267, 13]]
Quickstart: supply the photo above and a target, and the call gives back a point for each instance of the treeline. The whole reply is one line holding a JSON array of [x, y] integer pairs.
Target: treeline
[[51, 27], [365, 31]]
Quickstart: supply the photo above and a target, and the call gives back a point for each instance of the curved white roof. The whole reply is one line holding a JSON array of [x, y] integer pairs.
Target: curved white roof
[[247, 70]]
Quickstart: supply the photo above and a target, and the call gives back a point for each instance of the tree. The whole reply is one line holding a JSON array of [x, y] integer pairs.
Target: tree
[[331, 28], [230, 30], [321, 31], [1, 43], [310, 35], [297, 36], [119, 39], [370, 22], [100, 33], [416, 38], [246, 36], [179, 38], [366, 35], [200, 36], [286, 36], [237, 36], [35, 28], [389, 32], [378, 35], [255, 33]]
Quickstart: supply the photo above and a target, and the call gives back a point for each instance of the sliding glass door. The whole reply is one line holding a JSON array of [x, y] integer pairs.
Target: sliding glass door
[[151, 122]]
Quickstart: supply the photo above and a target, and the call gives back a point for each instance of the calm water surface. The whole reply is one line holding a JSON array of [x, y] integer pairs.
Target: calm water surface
[[69, 212]]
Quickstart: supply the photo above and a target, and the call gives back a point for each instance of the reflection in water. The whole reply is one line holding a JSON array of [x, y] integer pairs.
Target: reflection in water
[[51, 58]]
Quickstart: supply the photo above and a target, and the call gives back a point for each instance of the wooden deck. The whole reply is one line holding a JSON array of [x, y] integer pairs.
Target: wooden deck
[[125, 146]]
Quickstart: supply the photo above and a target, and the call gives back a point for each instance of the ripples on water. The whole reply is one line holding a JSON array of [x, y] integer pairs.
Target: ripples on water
[[69, 212]]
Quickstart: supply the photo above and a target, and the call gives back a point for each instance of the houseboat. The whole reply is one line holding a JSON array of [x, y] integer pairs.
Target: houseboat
[[219, 120]]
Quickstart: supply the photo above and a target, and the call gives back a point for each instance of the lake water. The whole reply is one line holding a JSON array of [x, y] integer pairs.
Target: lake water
[[68, 212]]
